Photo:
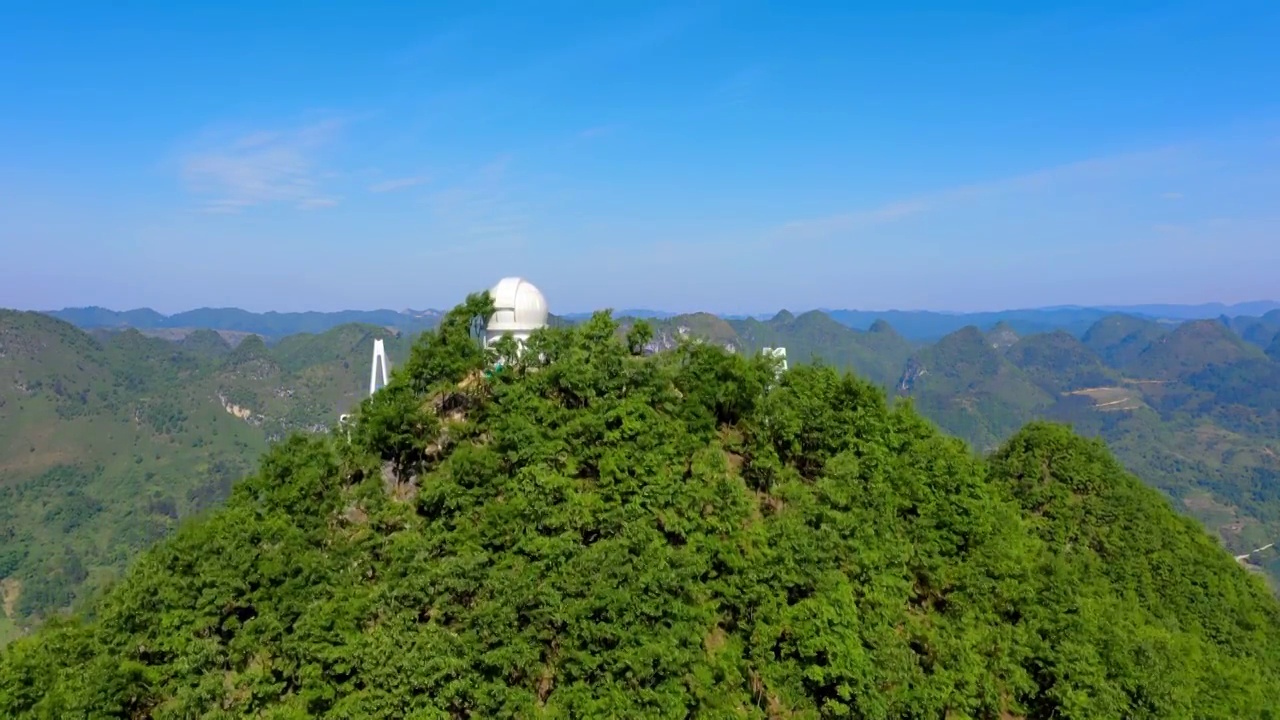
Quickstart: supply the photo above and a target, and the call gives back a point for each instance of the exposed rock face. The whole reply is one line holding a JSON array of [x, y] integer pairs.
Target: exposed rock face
[[912, 372], [1002, 337], [668, 339]]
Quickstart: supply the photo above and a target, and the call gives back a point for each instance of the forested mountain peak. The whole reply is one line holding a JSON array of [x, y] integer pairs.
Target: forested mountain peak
[[100, 317], [1192, 347], [251, 356], [701, 326], [1119, 339], [348, 340], [1002, 335], [207, 343], [971, 388], [963, 353], [270, 324], [881, 326], [1205, 331], [29, 335], [1058, 362], [813, 321], [592, 533]]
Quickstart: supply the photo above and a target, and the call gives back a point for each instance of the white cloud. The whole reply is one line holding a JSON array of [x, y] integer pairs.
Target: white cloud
[[261, 168]]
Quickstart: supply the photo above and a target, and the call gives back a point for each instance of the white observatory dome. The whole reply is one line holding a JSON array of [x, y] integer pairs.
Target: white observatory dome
[[519, 308]]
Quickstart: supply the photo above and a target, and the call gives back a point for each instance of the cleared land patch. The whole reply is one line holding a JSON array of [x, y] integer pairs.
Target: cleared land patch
[[1108, 399]]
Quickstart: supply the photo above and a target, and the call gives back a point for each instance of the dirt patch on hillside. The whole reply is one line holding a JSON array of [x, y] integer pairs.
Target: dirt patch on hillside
[[1110, 399], [35, 452], [10, 592]]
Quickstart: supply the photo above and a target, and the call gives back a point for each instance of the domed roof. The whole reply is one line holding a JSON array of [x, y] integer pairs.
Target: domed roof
[[518, 306]]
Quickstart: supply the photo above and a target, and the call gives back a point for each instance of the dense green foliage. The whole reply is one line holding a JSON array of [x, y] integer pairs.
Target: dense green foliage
[[1057, 362], [105, 444], [588, 532], [877, 354], [1120, 339], [1192, 409]]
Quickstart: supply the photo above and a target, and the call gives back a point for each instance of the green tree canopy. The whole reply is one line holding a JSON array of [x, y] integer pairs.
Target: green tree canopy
[[593, 533]]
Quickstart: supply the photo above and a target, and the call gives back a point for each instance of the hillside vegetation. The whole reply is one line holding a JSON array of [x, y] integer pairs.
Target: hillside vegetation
[[915, 325], [1193, 409], [105, 444], [109, 439], [590, 532]]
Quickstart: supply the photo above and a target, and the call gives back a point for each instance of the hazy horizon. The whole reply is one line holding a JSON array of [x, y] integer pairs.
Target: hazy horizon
[[647, 308], [724, 157]]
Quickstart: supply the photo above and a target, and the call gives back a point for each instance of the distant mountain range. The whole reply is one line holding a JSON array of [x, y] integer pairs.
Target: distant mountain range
[[270, 325], [112, 432], [1192, 407], [108, 438], [914, 325]]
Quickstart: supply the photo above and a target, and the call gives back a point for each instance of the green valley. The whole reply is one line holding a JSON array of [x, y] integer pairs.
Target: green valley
[[107, 442]]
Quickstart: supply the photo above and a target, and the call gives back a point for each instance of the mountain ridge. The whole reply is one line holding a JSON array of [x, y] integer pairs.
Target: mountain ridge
[[1201, 435], [1195, 420], [918, 325], [595, 531], [107, 443]]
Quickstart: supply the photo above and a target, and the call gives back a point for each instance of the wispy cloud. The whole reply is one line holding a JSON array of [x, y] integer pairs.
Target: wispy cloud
[[439, 46], [261, 168], [316, 203], [552, 63], [821, 227], [387, 186], [1085, 171], [480, 206]]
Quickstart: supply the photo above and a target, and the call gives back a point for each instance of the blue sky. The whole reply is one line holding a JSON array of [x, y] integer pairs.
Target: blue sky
[[730, 156]]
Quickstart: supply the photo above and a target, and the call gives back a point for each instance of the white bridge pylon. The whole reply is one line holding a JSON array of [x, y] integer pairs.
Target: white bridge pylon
[[379, 361]]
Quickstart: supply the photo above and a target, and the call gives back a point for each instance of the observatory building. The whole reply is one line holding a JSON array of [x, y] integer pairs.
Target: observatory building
[[519, 308]]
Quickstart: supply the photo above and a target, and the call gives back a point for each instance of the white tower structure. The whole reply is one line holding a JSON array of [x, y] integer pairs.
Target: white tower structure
[[779, 354], [379, 361], [519, 309]]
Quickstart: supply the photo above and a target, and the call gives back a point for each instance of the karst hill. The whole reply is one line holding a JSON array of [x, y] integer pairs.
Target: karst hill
[[589, 532]]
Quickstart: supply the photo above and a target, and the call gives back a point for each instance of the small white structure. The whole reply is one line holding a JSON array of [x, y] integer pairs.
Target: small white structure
[[379, 361], [519, 309], [779, 354]]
